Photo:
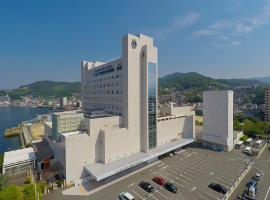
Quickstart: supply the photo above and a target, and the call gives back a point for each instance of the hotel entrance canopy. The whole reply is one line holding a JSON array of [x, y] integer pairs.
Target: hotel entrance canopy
[[101, 171]]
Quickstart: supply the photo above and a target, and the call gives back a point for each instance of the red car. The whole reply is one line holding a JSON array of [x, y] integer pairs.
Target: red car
[[159, 180]]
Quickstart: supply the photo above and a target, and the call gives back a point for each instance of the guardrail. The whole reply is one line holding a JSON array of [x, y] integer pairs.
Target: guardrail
[[237, 181]]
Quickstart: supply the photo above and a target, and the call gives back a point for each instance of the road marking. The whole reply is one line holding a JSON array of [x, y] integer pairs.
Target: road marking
[[267, 193], [211, 173], [138, 195], [165, 167], [151, 195], [211, 195], [193, 189], [131, 184], [203, 197], [163, 195]]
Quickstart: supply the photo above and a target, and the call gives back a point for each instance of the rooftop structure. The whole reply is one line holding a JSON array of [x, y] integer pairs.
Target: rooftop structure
[[19, 161]]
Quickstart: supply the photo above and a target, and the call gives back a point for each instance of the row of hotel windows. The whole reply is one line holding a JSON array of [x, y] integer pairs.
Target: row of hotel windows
[[108, 106], [106, 70], [116, 83], [106, 78], [103, 99], [102, 92]]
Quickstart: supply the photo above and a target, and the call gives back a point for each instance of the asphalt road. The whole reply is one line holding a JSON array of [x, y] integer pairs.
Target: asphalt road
[[191, 171]]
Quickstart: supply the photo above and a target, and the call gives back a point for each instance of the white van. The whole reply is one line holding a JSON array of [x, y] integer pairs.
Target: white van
[[248, 150], [125, 196], [239, 144], [249, 141], [258, 143]]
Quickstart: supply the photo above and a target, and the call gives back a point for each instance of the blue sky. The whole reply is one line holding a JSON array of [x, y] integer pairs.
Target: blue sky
[[46, 40]]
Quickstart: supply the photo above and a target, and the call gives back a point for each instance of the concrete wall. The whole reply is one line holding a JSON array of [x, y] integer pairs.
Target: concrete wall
[[175, 128], [218, 117], [169, 130], [77, 156]]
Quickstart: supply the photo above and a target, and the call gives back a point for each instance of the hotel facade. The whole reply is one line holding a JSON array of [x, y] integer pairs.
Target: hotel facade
[[267, 104], [121, 126]]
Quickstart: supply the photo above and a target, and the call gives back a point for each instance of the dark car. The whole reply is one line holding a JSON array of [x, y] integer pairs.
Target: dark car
[[252, 183], [170, 187], [218, 188], [159, 180], [146, 186]]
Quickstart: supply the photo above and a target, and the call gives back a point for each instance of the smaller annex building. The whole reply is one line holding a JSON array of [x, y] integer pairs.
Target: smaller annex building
[[19, 161]]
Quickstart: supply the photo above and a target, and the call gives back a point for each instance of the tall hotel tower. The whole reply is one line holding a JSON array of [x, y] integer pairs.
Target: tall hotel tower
[[127, 87]]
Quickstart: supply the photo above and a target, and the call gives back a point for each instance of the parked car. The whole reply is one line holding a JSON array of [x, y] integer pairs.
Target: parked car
[[159, 180], [249, 142], [239, 144], [257, 176], [218, 188], [253, 183], [125, 196], [248, 150], [146, 186], [170, 187]]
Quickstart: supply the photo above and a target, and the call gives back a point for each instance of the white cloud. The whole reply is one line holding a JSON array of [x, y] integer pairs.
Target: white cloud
[[235, 43], [204, 32], [231, 29], [177, 24]]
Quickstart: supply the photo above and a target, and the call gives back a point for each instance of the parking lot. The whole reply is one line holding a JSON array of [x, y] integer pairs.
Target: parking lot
[[191, 171], [261, 165]]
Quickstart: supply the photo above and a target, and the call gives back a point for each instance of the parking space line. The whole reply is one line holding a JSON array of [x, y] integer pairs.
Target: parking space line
[[178, 178], [226, 178], [163, 195], [232, 171], [223, 182], [138, 195], [211, 195], [234, 168], [230, 174], [203, 197]]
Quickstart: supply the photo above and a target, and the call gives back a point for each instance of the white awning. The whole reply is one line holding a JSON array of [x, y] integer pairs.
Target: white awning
[[101, 171], [19, 156]]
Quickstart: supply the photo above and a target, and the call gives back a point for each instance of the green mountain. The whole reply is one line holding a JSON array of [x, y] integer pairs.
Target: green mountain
[[176, 81], [199, 82], [263, 79], [46, 89], [187, 81]]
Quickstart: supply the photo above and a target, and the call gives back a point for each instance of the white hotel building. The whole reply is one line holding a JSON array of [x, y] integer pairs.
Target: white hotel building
[[123, 127]]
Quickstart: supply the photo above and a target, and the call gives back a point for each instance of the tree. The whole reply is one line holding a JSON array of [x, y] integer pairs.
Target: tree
[[29, 192], [11, 193], [3, 181]]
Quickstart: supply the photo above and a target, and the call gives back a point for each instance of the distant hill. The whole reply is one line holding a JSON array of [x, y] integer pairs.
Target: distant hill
[[46, 89], [176, 81], [196, 81], [263, 79]]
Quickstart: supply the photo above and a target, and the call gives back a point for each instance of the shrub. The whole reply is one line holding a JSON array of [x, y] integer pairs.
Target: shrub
[[244, 138]]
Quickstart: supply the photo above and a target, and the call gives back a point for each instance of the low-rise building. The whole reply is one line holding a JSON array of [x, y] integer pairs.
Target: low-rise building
[[19, 161]]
